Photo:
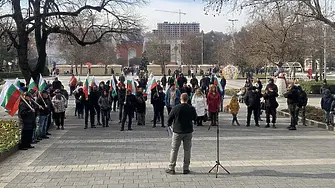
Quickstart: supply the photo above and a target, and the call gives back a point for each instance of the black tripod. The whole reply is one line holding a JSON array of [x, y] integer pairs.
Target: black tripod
[[218, 164]]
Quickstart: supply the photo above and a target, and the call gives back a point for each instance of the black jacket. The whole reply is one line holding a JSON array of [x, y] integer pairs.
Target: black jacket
[[270, 99], [46, 109], [121, 95], [181, 81], [93, 98], [252, 97], [182, 117], [194, 82], [131, 103], [164, 81], [159, 100], [27, 115], [223, 82], [292, 95], [140, 105]]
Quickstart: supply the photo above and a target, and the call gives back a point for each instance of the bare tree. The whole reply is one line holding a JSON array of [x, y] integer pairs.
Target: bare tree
[[191, 50], [158, 50], [321, 10], [75, 18]]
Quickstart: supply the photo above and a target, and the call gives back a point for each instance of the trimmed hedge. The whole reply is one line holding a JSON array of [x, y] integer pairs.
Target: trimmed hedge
[[312, 113], [9, 135], [15, 74], [313, 87]]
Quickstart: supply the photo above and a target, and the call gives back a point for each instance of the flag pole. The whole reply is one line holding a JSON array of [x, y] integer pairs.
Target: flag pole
[[39, 94], [24, 100], [37, 104]]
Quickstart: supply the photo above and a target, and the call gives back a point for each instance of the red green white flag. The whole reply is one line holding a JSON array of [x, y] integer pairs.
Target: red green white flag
[[41, 84], [113, 87], [10, 98], [152, 84], [86, 86], [32, 85]]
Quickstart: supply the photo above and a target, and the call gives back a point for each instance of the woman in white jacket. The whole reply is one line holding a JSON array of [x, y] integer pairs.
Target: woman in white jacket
[[199, 103], [60, 104]]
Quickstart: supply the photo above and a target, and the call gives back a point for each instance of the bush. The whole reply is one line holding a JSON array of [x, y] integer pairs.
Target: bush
[[313, 87], [313, 113], [231, 92], [9, 135], [15, 74]]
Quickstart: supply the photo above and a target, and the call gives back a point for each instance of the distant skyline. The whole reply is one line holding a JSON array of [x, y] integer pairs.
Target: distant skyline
[[194, 10]]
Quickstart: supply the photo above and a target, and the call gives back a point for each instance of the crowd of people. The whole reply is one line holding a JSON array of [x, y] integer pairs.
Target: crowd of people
[[48, 107]]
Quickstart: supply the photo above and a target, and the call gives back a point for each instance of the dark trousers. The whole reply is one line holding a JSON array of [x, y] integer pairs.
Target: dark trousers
[[235, 118], [140, 118], [49, 122], [80, 109], [105, 117], [294, 112], [72, 88], [89, 111], [26, 138], [115, 101], [121, 111], [213, 116], [159, 113], [59, 119], [199, 120], [303, 114], [255, 110], [97, 109], [169, 109], [129, 114], [271, 112]]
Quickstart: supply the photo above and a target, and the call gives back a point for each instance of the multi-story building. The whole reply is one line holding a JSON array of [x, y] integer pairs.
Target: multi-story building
[[176, 30], [174, 34]]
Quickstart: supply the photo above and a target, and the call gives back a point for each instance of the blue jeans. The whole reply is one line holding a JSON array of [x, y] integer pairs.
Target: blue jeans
[[42, 125]]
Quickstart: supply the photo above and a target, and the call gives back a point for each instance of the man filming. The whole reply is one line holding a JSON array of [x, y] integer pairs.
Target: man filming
[[182, 116]]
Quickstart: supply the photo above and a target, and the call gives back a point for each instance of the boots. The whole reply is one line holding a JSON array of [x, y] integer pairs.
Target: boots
[[274, 125], [267, 125]]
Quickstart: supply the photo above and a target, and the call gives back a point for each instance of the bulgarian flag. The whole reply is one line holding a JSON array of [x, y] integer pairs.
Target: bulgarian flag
[[17, 84], [86, 86], [41, 84], [113, 87], [32, 85], [216, 82], [131, 86], [152, 84], [10, 98], [176, 81]]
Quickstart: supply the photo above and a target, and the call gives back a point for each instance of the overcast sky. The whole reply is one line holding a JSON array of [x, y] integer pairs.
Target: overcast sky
[[194, 10]]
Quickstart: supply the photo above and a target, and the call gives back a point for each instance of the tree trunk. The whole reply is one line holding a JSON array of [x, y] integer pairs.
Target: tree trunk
[[42, 57], [22, 53]]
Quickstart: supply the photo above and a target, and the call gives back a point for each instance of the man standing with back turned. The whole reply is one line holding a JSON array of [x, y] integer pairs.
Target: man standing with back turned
[[182, 116]]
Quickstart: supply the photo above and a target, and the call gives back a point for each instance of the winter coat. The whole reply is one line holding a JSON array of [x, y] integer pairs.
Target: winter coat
[[131, 103], [181, 81], [140, 105], [104, 103], [326, 101], [223, 83], [292, 96], [27, 115], [270, 99], [159, 100], [60, 105], [46, 108], [200, 105], [164, 81], [213, 102], [234, 106], [252, 97], [168, 96], [93, 98], [121, 94], [194, 82]]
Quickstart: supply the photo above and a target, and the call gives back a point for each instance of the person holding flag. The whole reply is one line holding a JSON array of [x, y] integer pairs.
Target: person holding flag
[[43, 114], [27, 115], [113, 90], [72, 84]]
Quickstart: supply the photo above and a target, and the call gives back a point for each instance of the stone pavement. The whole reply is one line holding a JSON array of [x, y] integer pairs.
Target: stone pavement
[[106, 157]]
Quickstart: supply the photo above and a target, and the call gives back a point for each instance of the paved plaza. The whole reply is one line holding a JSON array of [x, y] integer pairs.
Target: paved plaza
[[106, 157]]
